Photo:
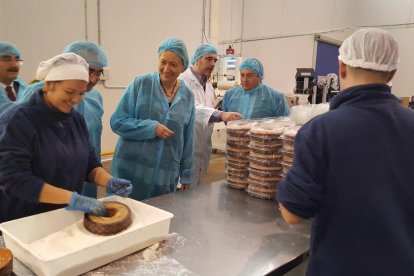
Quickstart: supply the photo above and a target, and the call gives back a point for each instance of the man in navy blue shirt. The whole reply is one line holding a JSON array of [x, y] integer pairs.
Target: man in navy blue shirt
[[352, 170]]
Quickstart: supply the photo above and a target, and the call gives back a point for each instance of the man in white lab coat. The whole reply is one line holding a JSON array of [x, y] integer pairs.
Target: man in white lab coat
[[196, 78]]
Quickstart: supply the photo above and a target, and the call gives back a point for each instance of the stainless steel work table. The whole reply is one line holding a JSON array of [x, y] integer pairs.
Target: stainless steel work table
[[216, 231], [228, 232]]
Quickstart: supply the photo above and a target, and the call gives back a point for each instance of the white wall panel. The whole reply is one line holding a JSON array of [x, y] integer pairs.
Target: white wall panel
[[381, 12], [262, 18], [342, 13], [131, 33], [307, 16], [280, 58], [231, 23], [41, 29], [403, 80]]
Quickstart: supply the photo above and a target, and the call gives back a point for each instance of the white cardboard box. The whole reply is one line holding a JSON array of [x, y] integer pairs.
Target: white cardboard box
[[56, 243]]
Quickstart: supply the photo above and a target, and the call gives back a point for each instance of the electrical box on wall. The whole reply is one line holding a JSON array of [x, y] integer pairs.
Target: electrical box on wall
[[229, 68]]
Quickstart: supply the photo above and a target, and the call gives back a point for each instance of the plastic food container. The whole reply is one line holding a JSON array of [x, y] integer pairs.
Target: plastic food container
[[56, 243]]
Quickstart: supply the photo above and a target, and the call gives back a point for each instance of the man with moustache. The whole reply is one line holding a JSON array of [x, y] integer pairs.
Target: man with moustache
[[196, 78], [10, 84]]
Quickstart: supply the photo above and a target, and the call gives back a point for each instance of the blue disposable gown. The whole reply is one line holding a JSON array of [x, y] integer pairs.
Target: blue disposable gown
[[260, 102], [38, 145], [152, 164], [92, 110], [353, 171]]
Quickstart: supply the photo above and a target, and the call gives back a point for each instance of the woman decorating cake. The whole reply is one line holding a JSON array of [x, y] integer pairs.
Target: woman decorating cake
[[45, 154]]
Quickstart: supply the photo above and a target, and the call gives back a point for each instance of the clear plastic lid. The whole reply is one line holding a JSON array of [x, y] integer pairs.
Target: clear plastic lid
[[267, 129], [263, 162], [236, 165], [238, 139], [236, 170], [237, 156], [237, 159], [265, 179], [264, 172], [280, 121], [290, 133], [237, 144], [272, 145], [262, 184], [239, 126], [268, 156], [261, 192], [264, 150], [237, 133], [265, 138], [260, 166], [241, 174], [237, 149]]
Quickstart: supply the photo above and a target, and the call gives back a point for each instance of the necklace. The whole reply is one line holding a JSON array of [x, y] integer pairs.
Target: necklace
[[165, 90]]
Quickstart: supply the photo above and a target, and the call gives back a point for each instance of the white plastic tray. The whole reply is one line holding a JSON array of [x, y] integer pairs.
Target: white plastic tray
[[56, 243]]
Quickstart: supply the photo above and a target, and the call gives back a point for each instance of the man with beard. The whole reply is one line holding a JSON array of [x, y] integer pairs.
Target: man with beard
[[10, 84], [196, 78]]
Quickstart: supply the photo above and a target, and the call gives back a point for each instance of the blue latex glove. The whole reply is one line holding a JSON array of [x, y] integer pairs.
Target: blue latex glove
[[86, 204], [119, 187]]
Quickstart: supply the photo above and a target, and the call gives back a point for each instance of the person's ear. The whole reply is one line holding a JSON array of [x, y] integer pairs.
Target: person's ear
[[49, 86], [342, 70], [391, 75], [46, 86]]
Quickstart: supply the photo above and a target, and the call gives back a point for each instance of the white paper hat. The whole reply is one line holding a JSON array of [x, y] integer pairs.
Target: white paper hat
[[67, 66], [370, 48]]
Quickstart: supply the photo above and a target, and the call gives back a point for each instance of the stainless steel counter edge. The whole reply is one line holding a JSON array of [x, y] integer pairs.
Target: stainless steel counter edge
[[229, 232]]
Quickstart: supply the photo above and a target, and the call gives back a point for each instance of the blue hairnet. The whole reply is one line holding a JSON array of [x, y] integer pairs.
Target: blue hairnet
[[7, 48], [177, 46], [91, 52], [203, 50], [253, 64]]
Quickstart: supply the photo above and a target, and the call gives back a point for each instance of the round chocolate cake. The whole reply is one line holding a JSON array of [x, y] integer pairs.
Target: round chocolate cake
[[118, 219], [6, 261]]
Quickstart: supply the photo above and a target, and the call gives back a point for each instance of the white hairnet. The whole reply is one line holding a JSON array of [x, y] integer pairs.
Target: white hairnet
[[370, 48], [67, 66]]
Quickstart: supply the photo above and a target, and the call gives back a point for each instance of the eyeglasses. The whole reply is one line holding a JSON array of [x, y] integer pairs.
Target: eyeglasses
[[96, 73], [8, 59]]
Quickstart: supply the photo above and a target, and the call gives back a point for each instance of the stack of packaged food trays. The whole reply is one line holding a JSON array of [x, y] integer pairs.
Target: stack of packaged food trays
[[237, 153], [288, 139], [265, 157]]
